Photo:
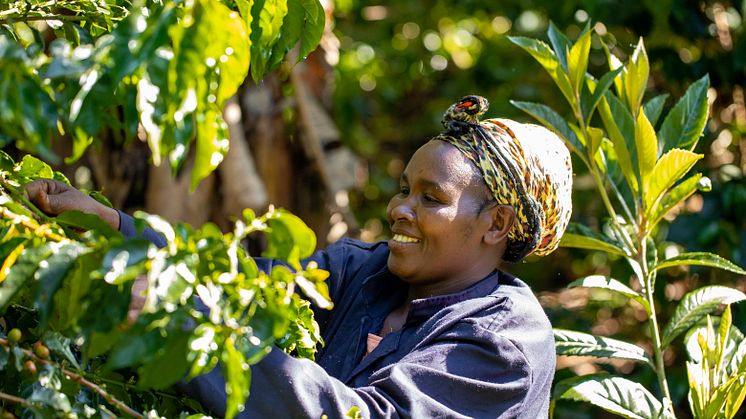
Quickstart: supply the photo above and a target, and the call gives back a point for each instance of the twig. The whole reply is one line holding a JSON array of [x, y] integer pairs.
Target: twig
[[32, 225], [78, 379], [13, 399]]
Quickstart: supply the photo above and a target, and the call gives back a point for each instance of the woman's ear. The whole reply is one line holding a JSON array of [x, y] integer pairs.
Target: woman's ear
[[502, 217]]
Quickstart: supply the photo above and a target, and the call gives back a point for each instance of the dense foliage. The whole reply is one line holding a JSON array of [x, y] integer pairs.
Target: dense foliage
[[640, 174], [96, 325]]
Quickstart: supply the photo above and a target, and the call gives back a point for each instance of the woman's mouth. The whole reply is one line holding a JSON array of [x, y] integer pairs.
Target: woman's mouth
[[401, 238]]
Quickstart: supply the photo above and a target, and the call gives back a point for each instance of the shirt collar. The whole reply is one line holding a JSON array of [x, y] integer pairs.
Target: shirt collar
[[423, 308]]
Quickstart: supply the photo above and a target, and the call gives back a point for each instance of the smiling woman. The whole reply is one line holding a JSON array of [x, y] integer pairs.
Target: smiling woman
[[426, 325]]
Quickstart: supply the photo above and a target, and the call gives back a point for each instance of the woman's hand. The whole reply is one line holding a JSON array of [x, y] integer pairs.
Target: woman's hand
[[55, 197]]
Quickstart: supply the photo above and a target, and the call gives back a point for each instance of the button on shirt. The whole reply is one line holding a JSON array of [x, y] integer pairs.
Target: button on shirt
[[484, 352]]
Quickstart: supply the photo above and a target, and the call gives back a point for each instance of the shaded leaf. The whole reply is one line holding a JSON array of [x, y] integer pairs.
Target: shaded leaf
[[560, 44], [546, 57], [552, 120], [654, 107], [684, 124], [599, 91], [695, 305]]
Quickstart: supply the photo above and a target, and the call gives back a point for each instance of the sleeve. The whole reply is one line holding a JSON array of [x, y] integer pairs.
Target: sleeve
[[127, 228], [481, 375]]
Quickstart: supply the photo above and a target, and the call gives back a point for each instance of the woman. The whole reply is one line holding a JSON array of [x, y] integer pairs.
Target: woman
[[424, 325]]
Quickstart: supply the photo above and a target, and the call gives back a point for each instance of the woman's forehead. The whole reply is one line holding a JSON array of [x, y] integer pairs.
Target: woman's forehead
[[440, 163]]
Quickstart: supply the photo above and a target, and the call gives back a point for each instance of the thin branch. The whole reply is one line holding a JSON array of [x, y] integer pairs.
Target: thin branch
[[32, 225], [31, 18], [13, 399], [80, 380]]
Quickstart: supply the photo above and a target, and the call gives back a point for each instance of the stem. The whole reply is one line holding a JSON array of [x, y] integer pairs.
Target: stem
[[610, 208], [32, 225], [660, 368], [77, 378], [13, 399]]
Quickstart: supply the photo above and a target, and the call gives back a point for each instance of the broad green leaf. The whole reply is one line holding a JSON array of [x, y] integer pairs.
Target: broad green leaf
[[654, 107], [553, 121], [695, 305], [50, 276], [679, 193], [701, 259], [611, 284], [620, 128], [135, 348], [571, 343], [22, 271], [646, 145], [671, 167], [316, 292], [212, 146], [614, 394], [735, 395], [683, 126], [265, 32], [237, 378], [577, 60], [290, 238], [585, 242], [32, 167], [546, 57], [169, 366], [84, 221], [292, 28], [560, 44], [313, 28], [599, 90], [636, 77], [594, 142]]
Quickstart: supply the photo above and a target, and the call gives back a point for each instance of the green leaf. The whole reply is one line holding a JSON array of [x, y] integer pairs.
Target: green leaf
[[679, 193], [169, 366], [22, 271], [620, 128], [212, 146], [237, 378], [50, 276], [265, 32], [735, 395], [614, 394], [695, 305], [611, 284], [84, 221], [671, 167], [290, 33], [571, 343], [546, 57], [599, 90], [560, 44], [683, 126], [553, 121], [701, 259], [290, 238], [135, 348], [577, 60], [646, 144], [34, 168], [586, 242], [315, 20], [635, 77], [654, 107], [316, 292]]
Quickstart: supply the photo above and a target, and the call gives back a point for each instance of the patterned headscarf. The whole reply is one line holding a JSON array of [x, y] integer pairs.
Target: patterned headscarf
[[525, 166]]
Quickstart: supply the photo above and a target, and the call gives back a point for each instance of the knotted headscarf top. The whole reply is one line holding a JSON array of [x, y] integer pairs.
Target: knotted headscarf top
[[525, 166]]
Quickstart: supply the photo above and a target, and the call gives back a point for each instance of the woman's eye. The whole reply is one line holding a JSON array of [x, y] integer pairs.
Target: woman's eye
[[429, 198], [404, 190]]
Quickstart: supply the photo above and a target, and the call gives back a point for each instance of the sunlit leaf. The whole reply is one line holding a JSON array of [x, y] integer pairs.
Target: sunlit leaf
[[21, 272], [610, 284], [636, 77], [572, 343], [646, 144], [585, 242], [546, 57], [237, 378], [617, 395], [621, 130], [695, 305], [701, 259], [677, 194], [577, 60], [290, 238], [671, 167]]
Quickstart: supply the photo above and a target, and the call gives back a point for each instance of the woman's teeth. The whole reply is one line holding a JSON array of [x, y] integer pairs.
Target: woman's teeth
[[404, 239]]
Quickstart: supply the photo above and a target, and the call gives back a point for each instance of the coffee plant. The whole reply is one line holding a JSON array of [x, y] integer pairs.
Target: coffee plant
[[640, 174], [93, 324]]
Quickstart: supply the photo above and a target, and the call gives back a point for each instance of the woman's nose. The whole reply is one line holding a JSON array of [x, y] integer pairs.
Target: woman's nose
[[401, 210]]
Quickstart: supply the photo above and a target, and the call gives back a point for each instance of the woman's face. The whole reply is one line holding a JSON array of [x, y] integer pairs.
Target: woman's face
[[437, 228]]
